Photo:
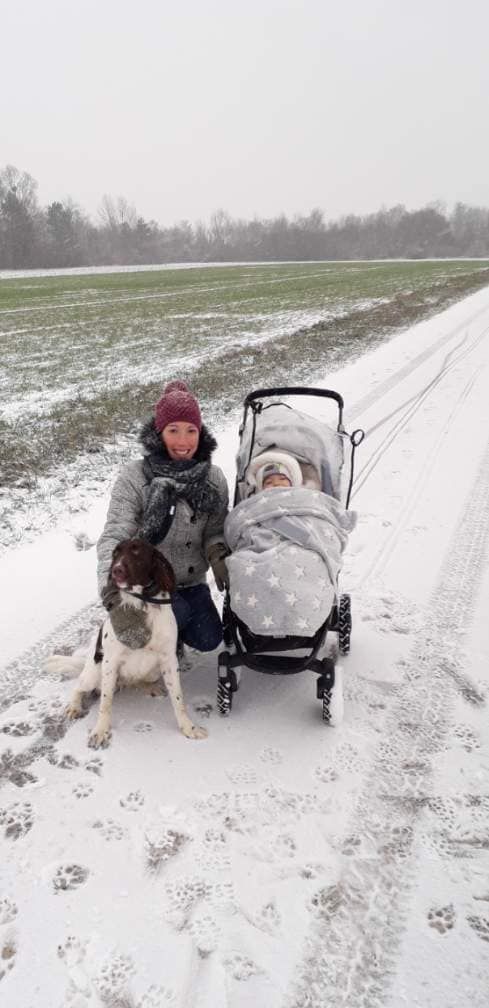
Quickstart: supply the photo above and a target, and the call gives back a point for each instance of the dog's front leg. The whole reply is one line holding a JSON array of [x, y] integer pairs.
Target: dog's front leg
[[171, 678], [100, 736]]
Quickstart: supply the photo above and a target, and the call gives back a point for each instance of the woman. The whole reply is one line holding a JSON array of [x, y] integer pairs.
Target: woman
[[176, 499]]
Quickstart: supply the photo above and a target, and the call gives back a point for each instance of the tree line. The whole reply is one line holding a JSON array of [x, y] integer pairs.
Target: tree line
[[62, 235]]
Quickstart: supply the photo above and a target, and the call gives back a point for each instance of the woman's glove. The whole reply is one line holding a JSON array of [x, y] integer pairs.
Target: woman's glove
[[110, 595], [216, 555], [129, 625]]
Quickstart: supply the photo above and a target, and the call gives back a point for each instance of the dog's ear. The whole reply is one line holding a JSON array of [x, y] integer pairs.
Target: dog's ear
[[163, 573]]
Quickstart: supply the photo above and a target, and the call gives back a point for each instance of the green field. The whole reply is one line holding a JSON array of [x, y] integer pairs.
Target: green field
[[84, 357]]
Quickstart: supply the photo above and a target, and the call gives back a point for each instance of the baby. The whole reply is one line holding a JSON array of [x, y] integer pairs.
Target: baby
[[274, 469], [275, 475]]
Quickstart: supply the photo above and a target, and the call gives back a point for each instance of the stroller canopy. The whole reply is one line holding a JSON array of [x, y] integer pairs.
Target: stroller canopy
[[279, 426]]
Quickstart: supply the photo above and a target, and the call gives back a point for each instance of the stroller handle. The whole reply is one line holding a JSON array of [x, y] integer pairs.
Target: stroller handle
[[296, 390]]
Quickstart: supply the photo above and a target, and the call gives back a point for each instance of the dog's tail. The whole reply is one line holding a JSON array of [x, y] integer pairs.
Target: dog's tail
[[64, 666]]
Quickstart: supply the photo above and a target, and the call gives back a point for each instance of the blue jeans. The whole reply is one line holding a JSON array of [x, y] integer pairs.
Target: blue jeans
[[198, 621]]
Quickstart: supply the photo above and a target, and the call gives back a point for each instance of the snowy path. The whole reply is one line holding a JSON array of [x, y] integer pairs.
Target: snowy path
[[282, 863]]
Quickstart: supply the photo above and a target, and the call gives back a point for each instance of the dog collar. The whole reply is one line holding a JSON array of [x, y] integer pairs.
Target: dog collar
[[148, 598]]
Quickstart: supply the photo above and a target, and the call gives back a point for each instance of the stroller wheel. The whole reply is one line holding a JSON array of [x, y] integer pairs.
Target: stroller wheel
[[325, 687], [225, 683], [224, 697], [344, 624]]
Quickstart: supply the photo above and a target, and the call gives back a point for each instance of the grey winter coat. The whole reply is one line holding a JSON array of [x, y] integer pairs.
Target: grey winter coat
[[187, 543]]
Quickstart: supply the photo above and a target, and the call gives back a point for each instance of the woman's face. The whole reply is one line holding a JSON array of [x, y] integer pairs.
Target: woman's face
[[181, 440]]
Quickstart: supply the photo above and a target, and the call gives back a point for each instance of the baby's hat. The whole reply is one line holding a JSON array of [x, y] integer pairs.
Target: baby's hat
[[272, 463]]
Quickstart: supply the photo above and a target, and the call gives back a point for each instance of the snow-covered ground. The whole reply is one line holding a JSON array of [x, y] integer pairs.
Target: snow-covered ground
[[280, 863]]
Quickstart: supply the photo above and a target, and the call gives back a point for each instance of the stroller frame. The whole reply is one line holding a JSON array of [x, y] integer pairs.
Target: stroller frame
[[251, 650]]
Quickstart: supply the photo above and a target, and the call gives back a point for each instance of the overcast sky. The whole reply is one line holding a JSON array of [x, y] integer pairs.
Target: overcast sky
[[255, 106]]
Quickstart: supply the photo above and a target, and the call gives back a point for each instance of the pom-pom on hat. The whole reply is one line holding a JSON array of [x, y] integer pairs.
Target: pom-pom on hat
[[177, 404]]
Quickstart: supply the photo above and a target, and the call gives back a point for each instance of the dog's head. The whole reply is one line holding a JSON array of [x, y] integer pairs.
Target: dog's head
[[136, 562]]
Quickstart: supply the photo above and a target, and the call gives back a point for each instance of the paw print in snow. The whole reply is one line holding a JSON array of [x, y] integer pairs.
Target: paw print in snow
[[286, 846], [142, 727], [268, 919], [133, 802], [17, 819], [94, 766], [157, 997], [466, 737], [203, 707], [161, 845], [82, 790], [18, 729], [480, 926], [8, 910], [442, 920], [67, 762], [69, 877], [311, 870], [8, 948], [326, 774], [347, 756], [241, 967], [109, 829], [270, 755], [72, 951], [326, 902]]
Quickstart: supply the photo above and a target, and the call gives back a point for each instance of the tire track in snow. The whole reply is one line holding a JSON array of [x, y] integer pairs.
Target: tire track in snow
[[392, 381], [352, 947], [412, 406], [19, 676]]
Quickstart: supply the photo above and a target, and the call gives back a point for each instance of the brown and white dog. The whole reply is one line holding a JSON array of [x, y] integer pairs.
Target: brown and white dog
[[136, 566]]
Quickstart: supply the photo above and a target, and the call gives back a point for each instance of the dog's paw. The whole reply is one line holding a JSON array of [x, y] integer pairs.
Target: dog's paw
[[99, 738], [73, 711], [194, 731]]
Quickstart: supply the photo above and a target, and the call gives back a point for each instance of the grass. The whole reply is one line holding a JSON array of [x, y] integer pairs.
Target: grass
[[85, 357]]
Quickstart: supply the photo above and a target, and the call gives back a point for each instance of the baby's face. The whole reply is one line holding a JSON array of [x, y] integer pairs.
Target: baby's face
[[277, 480]]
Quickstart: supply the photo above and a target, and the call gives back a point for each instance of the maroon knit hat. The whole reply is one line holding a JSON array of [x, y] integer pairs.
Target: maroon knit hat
[[177, 403]]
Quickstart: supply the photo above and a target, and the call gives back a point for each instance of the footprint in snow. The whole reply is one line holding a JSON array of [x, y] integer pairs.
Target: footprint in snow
[[242, 774], [466, 737], [142, 727], [113, 979], [206, 934]]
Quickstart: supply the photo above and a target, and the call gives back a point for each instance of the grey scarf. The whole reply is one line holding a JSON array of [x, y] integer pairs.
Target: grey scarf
[[170, 481]]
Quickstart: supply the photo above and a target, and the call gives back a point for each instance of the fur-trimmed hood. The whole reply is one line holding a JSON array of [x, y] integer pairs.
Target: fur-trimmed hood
[[153, 445]]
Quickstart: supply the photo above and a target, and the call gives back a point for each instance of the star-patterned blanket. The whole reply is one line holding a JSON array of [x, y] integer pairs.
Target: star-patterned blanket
[[286, 548]]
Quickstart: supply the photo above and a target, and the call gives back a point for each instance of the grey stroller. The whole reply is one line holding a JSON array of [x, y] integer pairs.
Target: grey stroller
[[286, 548]]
